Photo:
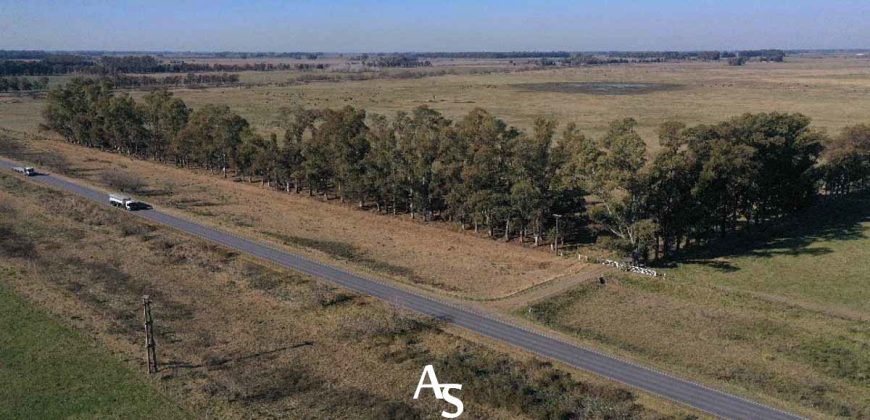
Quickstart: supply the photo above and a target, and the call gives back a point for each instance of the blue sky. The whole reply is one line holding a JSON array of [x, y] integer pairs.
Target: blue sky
[[447, 25]]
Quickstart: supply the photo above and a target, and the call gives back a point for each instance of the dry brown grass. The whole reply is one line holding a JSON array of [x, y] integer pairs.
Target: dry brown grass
[[238, 339], [757, 339], [832, 91], [434, 256]]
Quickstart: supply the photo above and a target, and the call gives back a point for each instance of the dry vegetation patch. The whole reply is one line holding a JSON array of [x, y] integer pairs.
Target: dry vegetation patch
[[239, 339], [432, 255], [809, 358], [598, 88]]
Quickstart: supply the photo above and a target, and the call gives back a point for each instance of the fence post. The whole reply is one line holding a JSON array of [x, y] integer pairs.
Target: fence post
[[150, 344]]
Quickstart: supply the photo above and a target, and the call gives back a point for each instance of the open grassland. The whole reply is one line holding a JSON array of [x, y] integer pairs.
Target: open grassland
[[788, 319], [50, 371], [821, 260], [433, 256], [237, 339], [834, 92]]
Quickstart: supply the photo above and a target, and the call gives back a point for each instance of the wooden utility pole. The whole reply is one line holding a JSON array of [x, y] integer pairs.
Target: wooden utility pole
[[556, 241], [150, 345]]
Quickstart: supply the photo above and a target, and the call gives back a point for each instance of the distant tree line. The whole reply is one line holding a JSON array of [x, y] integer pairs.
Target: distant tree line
[[707, 181], [663, 55], [39, 54], [603, 57], [493, 54], [23, 84], [150, 64], [190, 79], [404, 61], [23, 54], [123, 81], [114, 65], [50, 65], [734, 58], [247, 55], [763, 55]]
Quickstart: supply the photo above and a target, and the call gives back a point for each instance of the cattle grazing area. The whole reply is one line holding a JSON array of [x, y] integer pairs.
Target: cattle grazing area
[[236, 337]]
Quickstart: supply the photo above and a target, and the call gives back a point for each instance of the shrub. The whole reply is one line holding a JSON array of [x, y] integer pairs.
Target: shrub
[[54, 161], [384, 325], [123, 181], [14, 244]]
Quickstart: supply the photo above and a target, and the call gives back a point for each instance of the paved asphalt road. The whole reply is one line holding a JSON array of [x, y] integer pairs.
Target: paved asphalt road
[[667, 386]]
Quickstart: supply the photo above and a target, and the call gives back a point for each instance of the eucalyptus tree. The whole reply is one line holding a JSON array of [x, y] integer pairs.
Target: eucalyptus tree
[[213, 136], [485, 174], [73, 110], [164, 116], [341, 137], [419, 139], [536, 164], [384, 162], [846, 158], [611, 170]]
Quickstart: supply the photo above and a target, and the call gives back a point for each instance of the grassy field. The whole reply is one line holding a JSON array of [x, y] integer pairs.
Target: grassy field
[[787, 319], [238, 339], [50, 371], [821, 260], [832, 91]]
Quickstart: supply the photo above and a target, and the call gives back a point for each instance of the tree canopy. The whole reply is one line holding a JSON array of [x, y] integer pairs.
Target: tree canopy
[[706, 181]]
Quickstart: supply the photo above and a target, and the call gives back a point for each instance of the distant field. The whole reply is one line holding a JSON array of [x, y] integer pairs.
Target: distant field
[[835, 92], [790, 319], [49, 371]]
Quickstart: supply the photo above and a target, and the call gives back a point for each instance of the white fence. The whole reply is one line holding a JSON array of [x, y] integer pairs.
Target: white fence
[[627, 267]]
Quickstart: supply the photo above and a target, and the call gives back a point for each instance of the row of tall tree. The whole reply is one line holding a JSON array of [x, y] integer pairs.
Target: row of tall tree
[[22, 84], [137, 64], [150, 64], [47, 66], [398, 60], [706, 181], [190, 79]]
